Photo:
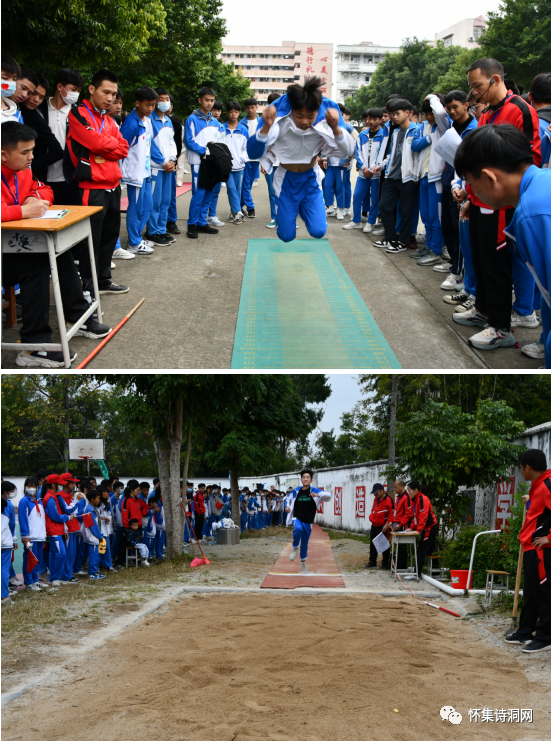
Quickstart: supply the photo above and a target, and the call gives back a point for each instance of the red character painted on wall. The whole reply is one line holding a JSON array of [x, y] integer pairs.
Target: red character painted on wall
[[360, 501], [324, 59], [505, 499], [309, 69], [338, 500], [310, 50], [324, 70]]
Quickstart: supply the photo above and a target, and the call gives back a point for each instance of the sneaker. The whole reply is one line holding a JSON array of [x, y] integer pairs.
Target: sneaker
[[79, 573], [518, 320], [141, 249], [467, 306], [368, 228], [41, 584], [123, 254], [112, 569], [215, 221], [172, 227], [42, 359], [159, 239], [534, 350], [238, 218], [169, 239], [33, 588], [271, 224], [535, 646], [471, 318], [429, 260], [457, 298], [395, 247], [445, 254], [206, 229], [113, 266], [382, 243], [146, 562], [515, 638], [55, 583], [303, 567], [378, 231], [365, 215], [91, 329], [370, 566], [6, 602], [251, 213], [192, 231], [330, 210], [72, 580], [420, 238], [352, 225], [14, 582], [231, 216], [114, 288], [451, 282], [293, 554], [255, 183], [443, 267], [97, 577], [490, 338], [339, 214], [420, 252], [147, 243]]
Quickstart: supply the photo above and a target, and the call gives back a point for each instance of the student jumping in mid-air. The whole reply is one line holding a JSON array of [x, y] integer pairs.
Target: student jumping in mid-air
[[308, 125], [302, 507]]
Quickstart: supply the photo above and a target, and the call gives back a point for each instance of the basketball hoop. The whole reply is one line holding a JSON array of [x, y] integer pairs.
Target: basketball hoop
[[87, 459]]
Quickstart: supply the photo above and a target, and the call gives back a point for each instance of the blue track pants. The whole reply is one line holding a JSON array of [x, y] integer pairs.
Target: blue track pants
[[299, 193], [161, 193], [301, 536], [366, 191], [252, 171], [139, 207]]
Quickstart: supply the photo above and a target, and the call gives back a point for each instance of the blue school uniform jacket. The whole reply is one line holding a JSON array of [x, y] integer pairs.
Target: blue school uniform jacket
[[544, 115], [32, 519], [236, 139], [163, 146], [364, 157], [92, 535], [139, 135], [199, 130]]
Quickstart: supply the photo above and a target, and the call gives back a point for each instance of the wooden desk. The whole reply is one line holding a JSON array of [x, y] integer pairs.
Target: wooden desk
[[54, 236]]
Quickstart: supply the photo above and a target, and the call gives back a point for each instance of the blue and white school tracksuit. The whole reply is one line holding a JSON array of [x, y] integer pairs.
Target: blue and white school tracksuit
[[92, 536], [252, 168], [58, 551], [136, 174], [117, 526], [199, 130], [366, 190], [160, 532], [333, 186], [8, 539], [32, 525], [303, 530], [530, 230], [236, 139], [163, 150], [545, 136], [300, 192], [9, 511], [149, 532]]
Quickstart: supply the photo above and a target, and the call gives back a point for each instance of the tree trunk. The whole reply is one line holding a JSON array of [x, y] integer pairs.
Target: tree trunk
[[186, 466], [392, 430], [162, 464], [175, 547], [67, 420], [234, 484]]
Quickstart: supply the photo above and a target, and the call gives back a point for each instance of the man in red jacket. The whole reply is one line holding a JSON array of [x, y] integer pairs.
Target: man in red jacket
[[96, 146], [23, 197], [401, 518], [424, 522], [492, 253], [381, 512], [535, 539], [199, 510]]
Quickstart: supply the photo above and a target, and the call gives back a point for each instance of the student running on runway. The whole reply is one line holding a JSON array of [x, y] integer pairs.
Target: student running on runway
[[308, 125], [303, 504]]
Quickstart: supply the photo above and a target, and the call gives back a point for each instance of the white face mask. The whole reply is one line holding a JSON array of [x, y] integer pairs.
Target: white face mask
[[12, 494], [70, 97], [164, 106], [31, 492], [8, 88], [60, 487]]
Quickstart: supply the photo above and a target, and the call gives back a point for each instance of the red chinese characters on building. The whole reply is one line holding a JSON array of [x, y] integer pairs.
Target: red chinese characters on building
[[310, 50], [309, 69], [323, 89], [360, 501], [505, 498], [338, 500], [324, 59], [324, 70]]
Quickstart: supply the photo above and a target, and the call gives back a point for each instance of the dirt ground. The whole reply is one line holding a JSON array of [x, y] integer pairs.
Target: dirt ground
[[246, 667]]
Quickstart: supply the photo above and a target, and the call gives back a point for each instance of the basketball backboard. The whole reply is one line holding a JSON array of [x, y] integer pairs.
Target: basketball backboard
[[94, 449]]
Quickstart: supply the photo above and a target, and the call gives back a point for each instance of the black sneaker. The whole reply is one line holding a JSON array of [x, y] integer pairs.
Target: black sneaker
[[192, 231], [395, 247], [206, 229], [159, 239], [515, 638], [114, 288], [42, 359], [535, 646], [172, 227], [91, 329], [250, 213], [371, 566], [382, 243], [72, 580], [169, 239]]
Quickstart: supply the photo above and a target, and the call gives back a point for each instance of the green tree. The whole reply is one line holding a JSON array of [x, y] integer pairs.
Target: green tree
[[455, 78], [519, 36], [446, 449]]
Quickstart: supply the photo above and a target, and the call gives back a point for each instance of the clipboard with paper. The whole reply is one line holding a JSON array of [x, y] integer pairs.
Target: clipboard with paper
[[447, 145], [381, 543]]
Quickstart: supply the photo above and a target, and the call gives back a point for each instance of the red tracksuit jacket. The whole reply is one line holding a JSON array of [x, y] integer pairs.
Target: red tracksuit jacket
[[424, 519], [538, 518], [403, 510], [131, 510], [95, 145], [13, 197], [199, 504], [381, 510]]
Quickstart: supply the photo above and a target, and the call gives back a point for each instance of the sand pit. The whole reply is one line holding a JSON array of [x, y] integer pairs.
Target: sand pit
[[240, 667]]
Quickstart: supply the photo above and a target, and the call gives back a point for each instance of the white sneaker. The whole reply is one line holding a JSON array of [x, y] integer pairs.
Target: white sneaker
[[490, 338], [141, 249], [215, 221], [518, 320], [303, 567], [123, 254], [368, 228], [331, 211], [352, 225], [339, 214], [113, 266], [451, 282], [444, 267], [148, 243], [14, 582], [55, 583], [255, 183], [223, 185], [146, 563], [534, 350], [346, 212], [378, 231], [445, 254], [33, 588], [293, 554]]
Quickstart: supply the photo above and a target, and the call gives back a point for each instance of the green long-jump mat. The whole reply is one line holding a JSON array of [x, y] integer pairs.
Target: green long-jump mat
[[299, 309]]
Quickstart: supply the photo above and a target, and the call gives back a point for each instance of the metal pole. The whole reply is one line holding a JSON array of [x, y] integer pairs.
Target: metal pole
[[486, 532]]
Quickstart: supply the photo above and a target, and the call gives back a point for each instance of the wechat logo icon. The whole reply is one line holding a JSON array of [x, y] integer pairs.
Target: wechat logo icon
[[449, 713]]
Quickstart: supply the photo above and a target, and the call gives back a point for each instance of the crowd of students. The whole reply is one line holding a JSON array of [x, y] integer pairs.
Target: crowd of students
[[305, 145]]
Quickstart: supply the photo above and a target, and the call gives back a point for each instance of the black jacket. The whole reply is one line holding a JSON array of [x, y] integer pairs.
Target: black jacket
[[216, 165], [47, 149], [177, 134]]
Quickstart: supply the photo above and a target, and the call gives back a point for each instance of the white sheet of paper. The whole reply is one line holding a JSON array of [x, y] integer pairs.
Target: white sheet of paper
[[381, 543], [54, 214], [446, 147]]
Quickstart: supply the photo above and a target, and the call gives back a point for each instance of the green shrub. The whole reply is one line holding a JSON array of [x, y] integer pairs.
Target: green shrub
[[489, 553]]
